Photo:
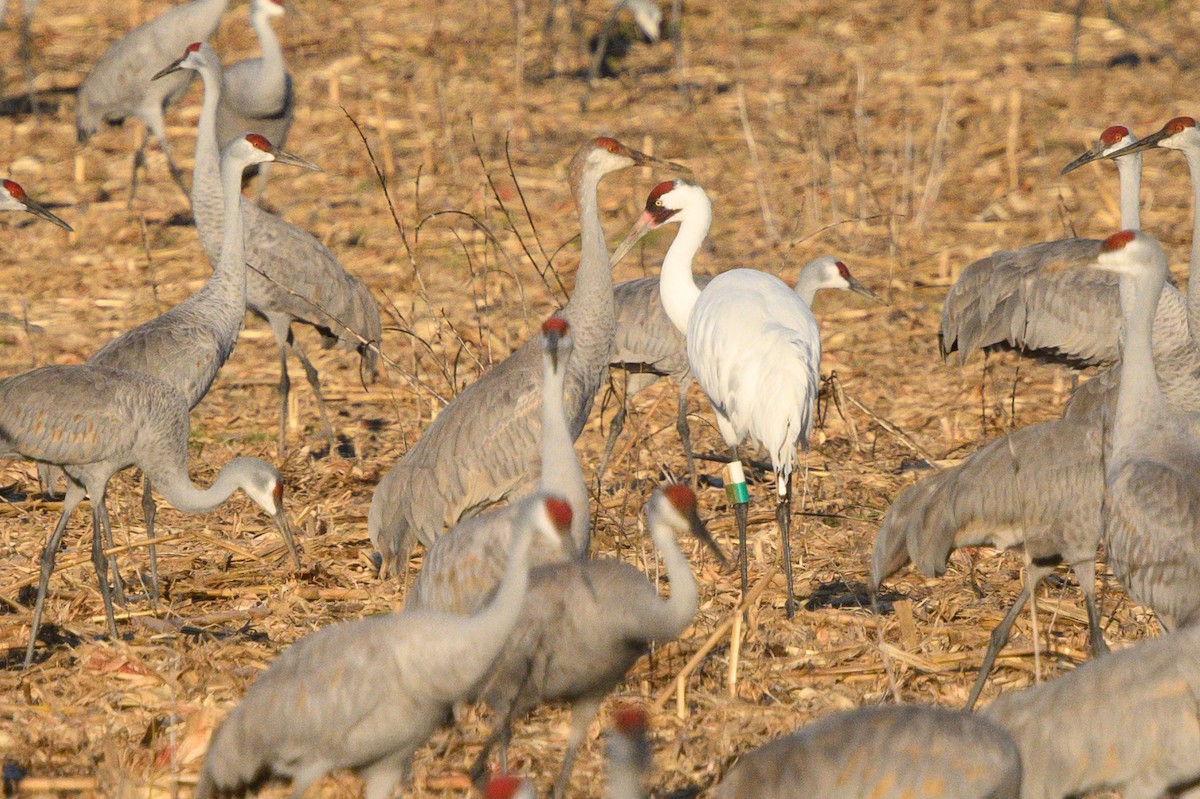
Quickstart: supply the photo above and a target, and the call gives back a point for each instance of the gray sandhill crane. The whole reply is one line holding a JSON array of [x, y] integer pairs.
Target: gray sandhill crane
[[1175, 358], [1152, 504], [1039, 488], [1040, 300], [628, 755], [648, 346], [256, 93], [462, 568], [752, 345], [14, 198], [293, 277], [95, 421], [582, 629], [1127, 721], [186, 346], [483, 445], [509, 786], [365, 694], [896, 752], [120, 83]]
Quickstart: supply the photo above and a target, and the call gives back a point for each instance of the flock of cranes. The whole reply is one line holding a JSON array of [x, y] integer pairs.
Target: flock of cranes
[[509, 608]]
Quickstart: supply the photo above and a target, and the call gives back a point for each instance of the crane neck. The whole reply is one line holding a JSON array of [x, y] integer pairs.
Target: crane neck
[[178, 489], [1192, 155], [272, 53], [677, 283], [624, 780], [489, 628], [675, 612], [561, 473], [807, 285], [1129, 173], [1140, 401], [207, 188], [232, 263]]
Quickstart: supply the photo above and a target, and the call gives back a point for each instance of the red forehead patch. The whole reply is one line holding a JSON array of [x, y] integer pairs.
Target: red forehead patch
[[658, 191], [1114, 134], [502, 786], [1178, 124], [630, 719], [278, 2], [1118, 240], [193, 47], [260, 142], [559, 513], [680, 496], [14, 189], [555, 324], [843, 270], [605, 143], [277, 491]]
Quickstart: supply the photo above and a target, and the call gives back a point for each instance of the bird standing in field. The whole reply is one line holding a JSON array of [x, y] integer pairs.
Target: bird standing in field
[[120, 83], [1152, 502], [292, 276], [93, 422], [462, 568], [648, 346], [582, 629], [1041, 300], [1127, 721], [186, 346], [898, 752], [256, 93], [752, 345], [14, 198], [483, 445], [366, 694]]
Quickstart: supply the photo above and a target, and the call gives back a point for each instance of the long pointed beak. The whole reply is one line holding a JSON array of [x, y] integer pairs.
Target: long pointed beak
[[859, 288], [1095, 153], [552, 339], [644, 159], [1144, 144], [639, 231], [37, 209], [701, 532], [285, 530], [174, 66], [284, 157]]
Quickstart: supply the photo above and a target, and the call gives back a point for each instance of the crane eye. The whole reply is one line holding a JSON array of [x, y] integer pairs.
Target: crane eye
[[658, 203]]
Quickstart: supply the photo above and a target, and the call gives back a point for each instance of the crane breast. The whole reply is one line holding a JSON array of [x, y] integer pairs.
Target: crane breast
[[755, 349]]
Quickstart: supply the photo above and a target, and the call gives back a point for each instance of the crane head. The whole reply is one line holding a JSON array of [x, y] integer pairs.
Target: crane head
[[264, 485], [1177, 134], [14, 198], [253, 148], [671, 201], [556, 336], [195, 56], [554, 525], [628, 745], [508, 786], [1132, 253], [675, 505], [267, 9], [830, 272], [603, 155], [1112, 141]]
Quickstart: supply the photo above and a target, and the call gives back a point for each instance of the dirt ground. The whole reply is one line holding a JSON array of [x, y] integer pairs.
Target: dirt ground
[[908, 139]]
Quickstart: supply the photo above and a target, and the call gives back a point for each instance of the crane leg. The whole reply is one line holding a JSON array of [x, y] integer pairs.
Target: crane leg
[[161, 134], [149, 510], [1085, 573], [139, 162], [101, 562], [685, 432], [737, 495], [583, 713], [106, 529], [285, 386], [72, 499], [602, 48], [614, 432], [783, 517], [314, 380], [26, 55], [999, 636]]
